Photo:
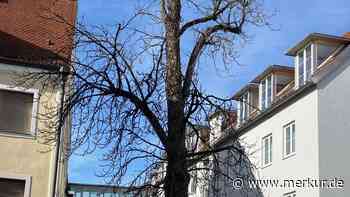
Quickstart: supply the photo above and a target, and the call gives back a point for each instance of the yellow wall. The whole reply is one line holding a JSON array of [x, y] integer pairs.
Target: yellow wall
[[23, 157], [31, 156]]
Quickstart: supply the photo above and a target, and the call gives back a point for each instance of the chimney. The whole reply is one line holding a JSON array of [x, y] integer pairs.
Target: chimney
[[347, 35]]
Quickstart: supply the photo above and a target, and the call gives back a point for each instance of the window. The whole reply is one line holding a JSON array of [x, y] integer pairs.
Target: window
[[290, 194], [266, 86], [15, 186], [289, 139], [204, 191], [77, 194], [263, 94], [244, 107], [18, 109], [93, 194], [323, 51], [192, 141], [11, 187], [301, 68], [305, 65], [308, 61], [267, 150], [194, 183]]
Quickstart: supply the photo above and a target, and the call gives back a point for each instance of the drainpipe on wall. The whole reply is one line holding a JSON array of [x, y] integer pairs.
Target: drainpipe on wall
[[59, 132]]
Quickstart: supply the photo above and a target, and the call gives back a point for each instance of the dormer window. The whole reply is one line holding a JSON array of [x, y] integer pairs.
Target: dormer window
[[248, 102], [312, 52], [266, 92], [309, 58], [323, 50], [244, 107], [305, 64], [215, 123]]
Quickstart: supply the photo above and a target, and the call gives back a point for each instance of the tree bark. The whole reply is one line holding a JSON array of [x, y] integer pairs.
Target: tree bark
[[177, 177]]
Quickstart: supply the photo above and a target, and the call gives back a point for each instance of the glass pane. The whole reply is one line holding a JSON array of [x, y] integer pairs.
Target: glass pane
[[270, 149], [308, 63], [100, 194], [16, 111], [245, 100], [301, 68], [93, 194], [12, 188], [241, 111], [287, 140], [107, 194], [323, 52], [266, 151], [86, 194], [263, 94], [293, 137], [77, 194], [269, 90]]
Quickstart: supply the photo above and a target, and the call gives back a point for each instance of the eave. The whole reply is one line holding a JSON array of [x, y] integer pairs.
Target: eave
[[316, 36], [234, 134], [271, 69], [250, 86]]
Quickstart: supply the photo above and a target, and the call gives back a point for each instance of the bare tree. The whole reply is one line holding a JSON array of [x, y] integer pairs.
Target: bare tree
[[133, 89]]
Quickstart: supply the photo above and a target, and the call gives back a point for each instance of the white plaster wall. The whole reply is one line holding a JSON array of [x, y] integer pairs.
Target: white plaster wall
[[334, 126], [300, 166]]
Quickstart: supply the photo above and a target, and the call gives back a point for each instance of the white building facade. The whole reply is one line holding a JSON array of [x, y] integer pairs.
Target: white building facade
[[298, 139], [294, 124]]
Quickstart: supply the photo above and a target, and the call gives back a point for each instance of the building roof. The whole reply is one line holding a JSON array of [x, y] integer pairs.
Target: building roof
[[17, 51], [338, 58], [317, 36], [270, 69], [255, 82], [36, 31], [286, 100], [220, 112], [249, 86], [94, 186]]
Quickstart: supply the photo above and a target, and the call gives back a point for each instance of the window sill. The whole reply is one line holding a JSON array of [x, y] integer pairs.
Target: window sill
[[17, 135], [265, 166], [288, 156]]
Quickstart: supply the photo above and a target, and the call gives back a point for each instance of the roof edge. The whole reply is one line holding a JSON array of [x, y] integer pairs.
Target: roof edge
[[315, 36], [236, 133]]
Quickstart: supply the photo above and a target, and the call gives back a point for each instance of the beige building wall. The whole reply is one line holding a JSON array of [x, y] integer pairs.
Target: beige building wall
[[32, 157]]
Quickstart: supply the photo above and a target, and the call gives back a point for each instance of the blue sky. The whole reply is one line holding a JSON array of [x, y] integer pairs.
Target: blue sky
[[293, 19]]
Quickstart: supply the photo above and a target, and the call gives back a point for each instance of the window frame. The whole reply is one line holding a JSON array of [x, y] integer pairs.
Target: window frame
[[35, 105], [290, 194], [312, 64], [268, 137], [292, 140], [244, 108], [27, 181], [194, 183], [264, 92]]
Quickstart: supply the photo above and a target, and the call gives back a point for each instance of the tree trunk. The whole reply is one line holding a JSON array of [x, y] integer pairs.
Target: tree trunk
[[177, 177]]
